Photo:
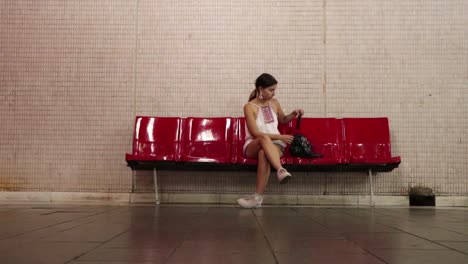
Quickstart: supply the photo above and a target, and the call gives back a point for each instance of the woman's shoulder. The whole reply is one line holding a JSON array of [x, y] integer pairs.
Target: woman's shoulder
[[248, 106], [251, 104]]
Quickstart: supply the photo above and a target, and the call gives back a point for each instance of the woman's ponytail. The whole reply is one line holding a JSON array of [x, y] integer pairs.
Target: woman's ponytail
[[253, 94]]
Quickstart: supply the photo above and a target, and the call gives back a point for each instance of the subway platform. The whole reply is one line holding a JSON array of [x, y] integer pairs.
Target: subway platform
[[181, 234]]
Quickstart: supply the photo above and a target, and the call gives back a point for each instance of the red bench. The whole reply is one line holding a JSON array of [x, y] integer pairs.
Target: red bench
[[215, 143]]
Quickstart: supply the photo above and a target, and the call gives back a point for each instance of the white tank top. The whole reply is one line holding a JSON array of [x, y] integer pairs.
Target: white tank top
[[267, 122]]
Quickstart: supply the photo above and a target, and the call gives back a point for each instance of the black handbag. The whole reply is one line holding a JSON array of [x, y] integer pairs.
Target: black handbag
[[300, 146]]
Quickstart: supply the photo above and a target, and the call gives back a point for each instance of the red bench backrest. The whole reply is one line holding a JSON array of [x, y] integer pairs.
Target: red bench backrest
[[207, 139], [221, 140], [157, 137], [326, 137], [367, 140]]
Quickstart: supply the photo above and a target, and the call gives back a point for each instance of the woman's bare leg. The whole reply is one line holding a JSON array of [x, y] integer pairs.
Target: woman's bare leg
[[272, 152], [263, 172], [268, 155]]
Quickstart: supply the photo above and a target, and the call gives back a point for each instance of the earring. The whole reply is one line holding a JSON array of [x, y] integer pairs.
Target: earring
[[260, 96]]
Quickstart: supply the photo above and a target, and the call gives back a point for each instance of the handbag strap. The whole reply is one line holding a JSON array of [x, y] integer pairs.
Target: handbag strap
[[298, 123]]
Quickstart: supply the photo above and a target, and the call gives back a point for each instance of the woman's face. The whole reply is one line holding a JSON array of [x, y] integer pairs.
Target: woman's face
[[268, 92]]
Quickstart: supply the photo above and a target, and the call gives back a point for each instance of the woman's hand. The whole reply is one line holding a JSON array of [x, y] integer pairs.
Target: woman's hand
[[287, 138], [298, 111]]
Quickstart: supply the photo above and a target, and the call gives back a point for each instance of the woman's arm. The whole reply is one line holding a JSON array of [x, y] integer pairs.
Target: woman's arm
[[282, 118]]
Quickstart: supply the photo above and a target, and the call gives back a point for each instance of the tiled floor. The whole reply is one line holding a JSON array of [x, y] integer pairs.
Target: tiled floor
[[84, 234]]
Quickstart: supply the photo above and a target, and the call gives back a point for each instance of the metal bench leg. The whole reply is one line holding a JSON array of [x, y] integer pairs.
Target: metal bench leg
[[156, 192], [133, 180], [371, 188]]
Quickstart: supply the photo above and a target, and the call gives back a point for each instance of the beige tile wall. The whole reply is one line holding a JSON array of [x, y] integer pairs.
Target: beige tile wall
[[74, 73]]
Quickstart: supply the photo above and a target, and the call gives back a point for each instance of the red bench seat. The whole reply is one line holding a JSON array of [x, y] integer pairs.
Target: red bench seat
[[216, 143]]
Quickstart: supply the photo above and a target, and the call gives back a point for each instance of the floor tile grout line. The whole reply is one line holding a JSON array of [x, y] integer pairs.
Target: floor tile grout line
[[185, 237], [447, 230], [345, 238], [96, 247], [432, 241], [270, 247], [412, 221], [45, 227]]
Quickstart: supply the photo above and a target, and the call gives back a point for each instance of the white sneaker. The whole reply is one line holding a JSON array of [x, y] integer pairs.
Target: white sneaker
[[254, 201], [283, 176]]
